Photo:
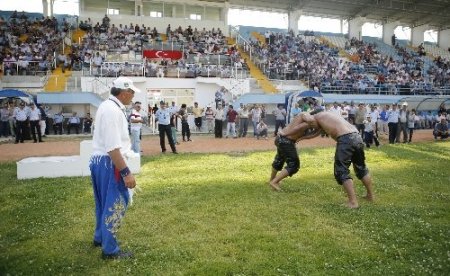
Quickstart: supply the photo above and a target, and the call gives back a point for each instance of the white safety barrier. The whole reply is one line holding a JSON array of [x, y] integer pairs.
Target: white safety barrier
[[63, 166]]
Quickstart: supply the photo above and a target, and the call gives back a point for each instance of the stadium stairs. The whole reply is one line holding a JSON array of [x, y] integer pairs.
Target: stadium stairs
[[57, 82], [259, 37], [255, 72]]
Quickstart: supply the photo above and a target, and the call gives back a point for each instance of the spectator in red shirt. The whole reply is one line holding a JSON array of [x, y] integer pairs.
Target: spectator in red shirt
[[231, 121]]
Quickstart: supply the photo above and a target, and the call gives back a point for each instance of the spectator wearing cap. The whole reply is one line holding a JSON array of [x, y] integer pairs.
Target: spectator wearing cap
[[21, 116], [162, 116], [403, 123], [441, 129], [392, 120], [110, 174], [35, 118]]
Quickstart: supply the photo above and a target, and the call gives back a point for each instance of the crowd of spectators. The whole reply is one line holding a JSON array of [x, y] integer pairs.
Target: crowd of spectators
[[27, 44], [285, 56], [200, 48]]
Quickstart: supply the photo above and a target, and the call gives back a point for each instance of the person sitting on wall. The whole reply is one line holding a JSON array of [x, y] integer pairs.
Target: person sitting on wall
[[74, 122]]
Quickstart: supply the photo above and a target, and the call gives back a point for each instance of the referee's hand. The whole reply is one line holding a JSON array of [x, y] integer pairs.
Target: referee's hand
[[130, 181]]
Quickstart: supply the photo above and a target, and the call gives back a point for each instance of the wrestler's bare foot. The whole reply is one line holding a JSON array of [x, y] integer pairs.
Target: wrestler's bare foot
[[352, 205], [275, 186], [369, 198]]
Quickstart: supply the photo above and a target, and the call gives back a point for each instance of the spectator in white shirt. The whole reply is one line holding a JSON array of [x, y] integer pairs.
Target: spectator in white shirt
[[35, 117]]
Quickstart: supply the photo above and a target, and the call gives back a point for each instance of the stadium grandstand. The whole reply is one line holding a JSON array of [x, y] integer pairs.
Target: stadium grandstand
[[185, 51]]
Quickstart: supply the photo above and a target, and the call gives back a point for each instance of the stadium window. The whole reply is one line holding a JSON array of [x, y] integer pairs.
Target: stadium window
[[155, 14], [112, 11], [194, 16]]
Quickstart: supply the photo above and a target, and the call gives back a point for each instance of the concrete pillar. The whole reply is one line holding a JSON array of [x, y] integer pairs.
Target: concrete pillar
[[174, 11], [50, 7], [45, 7], [355, 27], [417, 34], [293, 18], [81, 7], [388, 31], [224, 13], [138, 7], [444, 39]]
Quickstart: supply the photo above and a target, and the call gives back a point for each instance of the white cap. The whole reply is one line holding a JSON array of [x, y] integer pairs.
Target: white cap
[[405, 104], [125, 83]]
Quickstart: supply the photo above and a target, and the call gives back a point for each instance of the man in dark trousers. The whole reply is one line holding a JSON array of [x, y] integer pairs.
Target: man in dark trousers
[[163, 118]]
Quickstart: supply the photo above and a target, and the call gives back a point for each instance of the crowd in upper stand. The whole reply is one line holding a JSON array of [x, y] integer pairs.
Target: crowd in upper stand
[[27, 44], [33, 45], [200, 49], [30, 46], [286, 56]]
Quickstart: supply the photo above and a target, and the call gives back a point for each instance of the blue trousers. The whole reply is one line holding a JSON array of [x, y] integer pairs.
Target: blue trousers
[[111, 201], [136, 140]]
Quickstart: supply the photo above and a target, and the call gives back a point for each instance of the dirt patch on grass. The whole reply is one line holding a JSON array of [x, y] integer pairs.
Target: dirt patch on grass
[[70, 145]]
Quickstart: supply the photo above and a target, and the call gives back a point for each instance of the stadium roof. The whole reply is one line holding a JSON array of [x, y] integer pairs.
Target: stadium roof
[[413, 13]]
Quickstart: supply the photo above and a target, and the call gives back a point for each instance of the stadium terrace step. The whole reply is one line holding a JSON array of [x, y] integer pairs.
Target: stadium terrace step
[[231, 41], [261, 38], [256, 73], [57, 81], [77, 35]]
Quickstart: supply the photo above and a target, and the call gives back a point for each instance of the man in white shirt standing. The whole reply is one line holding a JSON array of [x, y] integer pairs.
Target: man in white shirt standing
[[35, 117], [136, 121], [21, 116], [109, 171]]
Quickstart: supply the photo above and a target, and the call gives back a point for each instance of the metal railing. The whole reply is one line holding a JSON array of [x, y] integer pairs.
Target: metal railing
[[24, 68], [386, 90]]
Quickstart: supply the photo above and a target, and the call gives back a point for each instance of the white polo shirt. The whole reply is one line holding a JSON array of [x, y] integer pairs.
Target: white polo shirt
[[35, 114], [111, 128]]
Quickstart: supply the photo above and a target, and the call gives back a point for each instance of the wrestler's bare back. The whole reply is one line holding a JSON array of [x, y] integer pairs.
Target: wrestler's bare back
[[333, 124]]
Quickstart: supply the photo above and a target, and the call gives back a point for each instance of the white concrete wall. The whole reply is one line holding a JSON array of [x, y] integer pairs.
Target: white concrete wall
[[204, 88]]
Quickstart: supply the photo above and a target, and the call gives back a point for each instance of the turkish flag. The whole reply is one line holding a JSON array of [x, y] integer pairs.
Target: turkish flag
[[163, 54]]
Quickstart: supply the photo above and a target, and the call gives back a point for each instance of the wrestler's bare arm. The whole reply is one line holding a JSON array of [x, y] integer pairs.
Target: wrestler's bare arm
[[311, 135]]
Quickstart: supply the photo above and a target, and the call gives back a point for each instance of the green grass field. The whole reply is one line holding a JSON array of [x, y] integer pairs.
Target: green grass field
[[213, 214]]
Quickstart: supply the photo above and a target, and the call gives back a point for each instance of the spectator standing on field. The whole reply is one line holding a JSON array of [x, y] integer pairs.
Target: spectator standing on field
[[209, 117], [218, 121], [231, 121], [136, 121], [198, 112], [411, 124], [280, 118], [393, 116], [35, 118]]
